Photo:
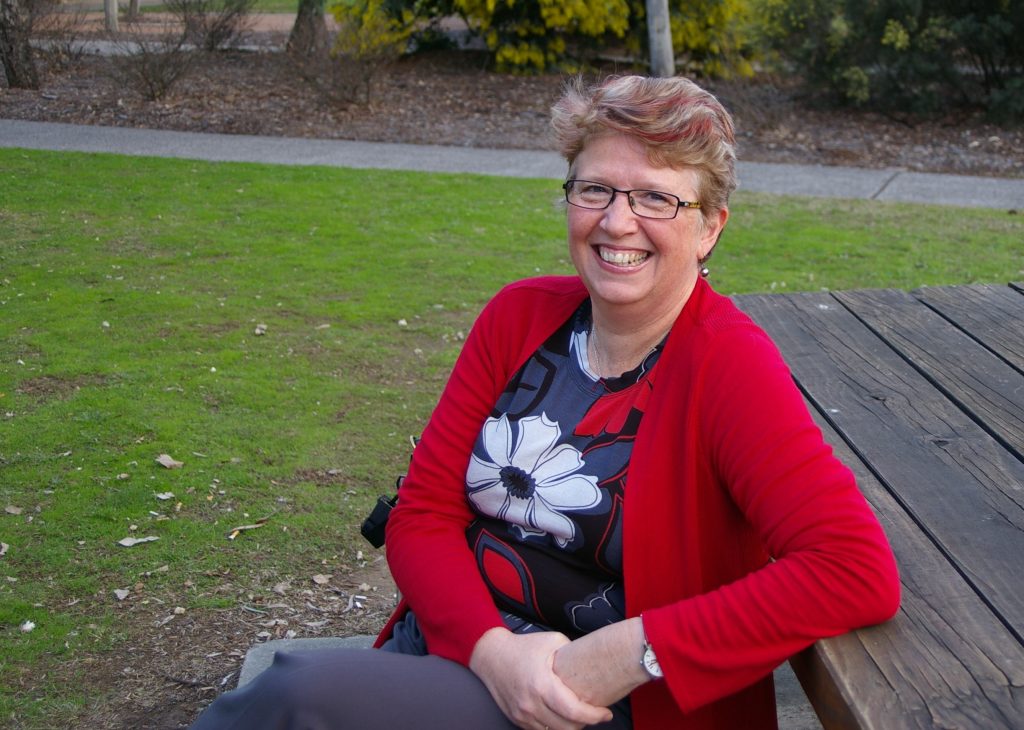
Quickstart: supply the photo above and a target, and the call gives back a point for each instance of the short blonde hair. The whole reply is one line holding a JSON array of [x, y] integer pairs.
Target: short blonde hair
[[681, 124]]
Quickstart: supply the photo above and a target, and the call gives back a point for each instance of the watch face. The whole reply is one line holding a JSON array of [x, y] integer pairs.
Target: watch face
[[651, 663]]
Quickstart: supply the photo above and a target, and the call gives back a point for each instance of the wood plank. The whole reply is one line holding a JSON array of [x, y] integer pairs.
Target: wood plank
[[945, 660], [965, 489], [983, 310], [978, 381]]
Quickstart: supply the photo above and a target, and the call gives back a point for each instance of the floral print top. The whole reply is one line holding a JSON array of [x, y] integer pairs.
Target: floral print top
[[546, 479]]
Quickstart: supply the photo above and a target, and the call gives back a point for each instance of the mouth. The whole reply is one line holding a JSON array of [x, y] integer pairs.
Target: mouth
[[625, 259]]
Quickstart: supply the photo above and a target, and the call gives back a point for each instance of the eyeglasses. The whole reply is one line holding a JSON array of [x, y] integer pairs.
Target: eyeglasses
[[645, 203]]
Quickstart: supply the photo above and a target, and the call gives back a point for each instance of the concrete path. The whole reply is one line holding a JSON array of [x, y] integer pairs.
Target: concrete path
[[891, 185]]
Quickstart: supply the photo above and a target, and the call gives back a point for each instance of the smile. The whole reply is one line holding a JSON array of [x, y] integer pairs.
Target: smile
[[622, 258]]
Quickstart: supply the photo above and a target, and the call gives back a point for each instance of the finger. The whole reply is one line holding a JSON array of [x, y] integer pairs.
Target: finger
[[568, 707]]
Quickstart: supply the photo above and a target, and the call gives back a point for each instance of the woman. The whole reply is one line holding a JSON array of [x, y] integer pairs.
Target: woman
[[620, 511]]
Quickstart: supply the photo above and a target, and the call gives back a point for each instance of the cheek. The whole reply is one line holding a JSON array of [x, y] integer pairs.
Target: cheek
[[578, 227]]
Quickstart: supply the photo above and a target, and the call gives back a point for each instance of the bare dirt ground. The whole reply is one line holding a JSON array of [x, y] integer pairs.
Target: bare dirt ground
[[451, 98], [173, 664]]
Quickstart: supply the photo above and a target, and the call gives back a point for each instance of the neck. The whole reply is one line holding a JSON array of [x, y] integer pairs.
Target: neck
[[618, 343]]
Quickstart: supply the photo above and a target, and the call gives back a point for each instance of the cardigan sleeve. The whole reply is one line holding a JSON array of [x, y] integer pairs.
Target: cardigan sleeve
[[830, 570], [426, 533], [427, 550]]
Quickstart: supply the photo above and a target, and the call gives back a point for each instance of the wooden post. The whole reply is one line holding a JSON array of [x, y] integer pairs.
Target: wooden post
[[110, 13], [659, 36]]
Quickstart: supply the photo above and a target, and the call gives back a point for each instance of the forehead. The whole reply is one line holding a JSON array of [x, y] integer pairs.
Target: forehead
[[623, 162]]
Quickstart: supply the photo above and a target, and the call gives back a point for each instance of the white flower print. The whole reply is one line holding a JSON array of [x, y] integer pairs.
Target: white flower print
[[529, 479]]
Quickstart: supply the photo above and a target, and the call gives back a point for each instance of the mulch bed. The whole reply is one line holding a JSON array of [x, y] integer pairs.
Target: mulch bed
[[452, 98]]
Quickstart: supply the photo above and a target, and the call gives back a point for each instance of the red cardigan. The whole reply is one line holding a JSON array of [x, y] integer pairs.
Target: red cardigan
[[744, 540]]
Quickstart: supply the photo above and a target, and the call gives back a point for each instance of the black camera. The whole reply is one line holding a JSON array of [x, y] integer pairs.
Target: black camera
[[374, 524]]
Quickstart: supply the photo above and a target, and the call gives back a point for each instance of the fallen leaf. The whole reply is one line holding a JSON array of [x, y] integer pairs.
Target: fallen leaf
[[261, 329], [234, 531], [320, 579], [12, 510], [121, 593], [130, 541], [3, 548], [168, 461], [282, 587], [123, 475], [164, 495]]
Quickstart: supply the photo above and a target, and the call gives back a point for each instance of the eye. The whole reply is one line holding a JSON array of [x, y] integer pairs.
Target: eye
[[590, 188], [654, 199]]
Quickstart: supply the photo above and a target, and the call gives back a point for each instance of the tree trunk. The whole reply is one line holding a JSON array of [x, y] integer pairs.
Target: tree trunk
[[309, 34], [659, 34], [15, 49], [133, 11], [110, 15]]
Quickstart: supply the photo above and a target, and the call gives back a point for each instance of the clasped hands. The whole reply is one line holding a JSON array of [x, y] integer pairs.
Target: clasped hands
[[544, 680]]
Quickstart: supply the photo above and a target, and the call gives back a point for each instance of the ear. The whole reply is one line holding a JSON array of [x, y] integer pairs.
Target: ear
[[713, 227]]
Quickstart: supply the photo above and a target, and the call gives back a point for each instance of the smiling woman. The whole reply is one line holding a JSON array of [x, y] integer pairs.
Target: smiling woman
[[620, 513]]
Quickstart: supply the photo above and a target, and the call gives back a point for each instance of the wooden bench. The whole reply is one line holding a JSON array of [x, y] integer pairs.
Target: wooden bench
[[922, 394]]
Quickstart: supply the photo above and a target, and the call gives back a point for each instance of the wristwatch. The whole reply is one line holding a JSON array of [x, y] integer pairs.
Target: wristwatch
[[650, 662]]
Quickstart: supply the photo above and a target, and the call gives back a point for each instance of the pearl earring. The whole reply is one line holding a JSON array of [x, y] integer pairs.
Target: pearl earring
[[704, 270]]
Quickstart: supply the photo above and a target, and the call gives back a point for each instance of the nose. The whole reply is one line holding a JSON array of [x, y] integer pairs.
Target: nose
[[619, 218]]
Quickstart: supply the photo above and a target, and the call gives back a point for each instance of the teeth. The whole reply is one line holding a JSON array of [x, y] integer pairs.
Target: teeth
[[623, 258]]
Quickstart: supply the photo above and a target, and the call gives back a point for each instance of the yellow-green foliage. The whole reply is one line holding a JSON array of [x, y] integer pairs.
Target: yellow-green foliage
[[709, 37], [530, 34], [368, 33]]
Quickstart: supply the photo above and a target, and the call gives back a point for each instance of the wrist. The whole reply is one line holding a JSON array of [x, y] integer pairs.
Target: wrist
[[648, 657], [486, 647]]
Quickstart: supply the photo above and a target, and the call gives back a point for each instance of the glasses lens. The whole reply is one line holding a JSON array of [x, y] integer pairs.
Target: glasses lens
[[587, 194], [653, 204]]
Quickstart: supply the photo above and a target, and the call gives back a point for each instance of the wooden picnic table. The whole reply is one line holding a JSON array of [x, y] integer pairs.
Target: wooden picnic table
[[922, 394]]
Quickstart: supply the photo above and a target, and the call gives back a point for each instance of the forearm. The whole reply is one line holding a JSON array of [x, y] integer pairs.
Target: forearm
[[605, 665]]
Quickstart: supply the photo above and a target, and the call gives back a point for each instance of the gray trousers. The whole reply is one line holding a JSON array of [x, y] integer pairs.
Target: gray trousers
[[363, 689], [397, 687]]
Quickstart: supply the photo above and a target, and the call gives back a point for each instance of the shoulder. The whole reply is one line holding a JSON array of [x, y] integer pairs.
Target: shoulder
[[713, 323], [543, 289], [537, 300]]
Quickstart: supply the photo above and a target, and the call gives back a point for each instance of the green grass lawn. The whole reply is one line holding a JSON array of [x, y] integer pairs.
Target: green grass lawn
[[130, 294]]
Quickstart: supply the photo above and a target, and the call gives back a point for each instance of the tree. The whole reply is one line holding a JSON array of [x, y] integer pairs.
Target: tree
[[110, 15], [15, 49], [309, 34], [659, 34]]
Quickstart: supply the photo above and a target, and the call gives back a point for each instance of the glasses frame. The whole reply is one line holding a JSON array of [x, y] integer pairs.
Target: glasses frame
[[680, 203]]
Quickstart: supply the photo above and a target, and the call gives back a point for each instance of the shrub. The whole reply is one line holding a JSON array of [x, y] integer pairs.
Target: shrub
[[901, 55], [58, 31], [151, 63], [709, 37], [539, 35], [368, 39], [212, 24], [534, 35]]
